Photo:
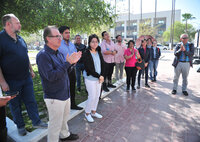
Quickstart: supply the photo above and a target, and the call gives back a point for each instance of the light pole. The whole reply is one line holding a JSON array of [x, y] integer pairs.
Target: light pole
[[172, 24]]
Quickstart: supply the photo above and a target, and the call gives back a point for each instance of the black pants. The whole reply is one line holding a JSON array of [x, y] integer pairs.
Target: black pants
[[130, 76], [109, 67], [146, 75], [72, 79], [3, 129]]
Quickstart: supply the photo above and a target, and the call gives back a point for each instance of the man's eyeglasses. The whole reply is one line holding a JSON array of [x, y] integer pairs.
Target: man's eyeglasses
[[185, 38], [57, 36]]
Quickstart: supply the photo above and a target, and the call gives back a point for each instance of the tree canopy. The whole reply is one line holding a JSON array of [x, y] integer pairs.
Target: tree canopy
[[80, 15], [179, 28], [146, 29], [186, 17]]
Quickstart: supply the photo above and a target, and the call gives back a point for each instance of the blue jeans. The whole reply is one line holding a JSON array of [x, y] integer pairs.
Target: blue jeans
[[26, 94], [79, 69], [153, 64]]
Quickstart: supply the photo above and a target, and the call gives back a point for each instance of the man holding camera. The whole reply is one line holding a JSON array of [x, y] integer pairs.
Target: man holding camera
[[184, 52]]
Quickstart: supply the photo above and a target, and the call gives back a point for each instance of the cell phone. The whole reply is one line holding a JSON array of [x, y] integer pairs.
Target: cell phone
[[12, 93]]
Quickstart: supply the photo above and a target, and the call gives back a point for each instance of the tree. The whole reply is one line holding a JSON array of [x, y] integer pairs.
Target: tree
[[146, 29], [80, 15], [179, 28], [186, 17]]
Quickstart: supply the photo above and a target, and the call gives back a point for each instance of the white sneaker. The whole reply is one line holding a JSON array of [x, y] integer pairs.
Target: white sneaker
[[89, 118], [97, 115]]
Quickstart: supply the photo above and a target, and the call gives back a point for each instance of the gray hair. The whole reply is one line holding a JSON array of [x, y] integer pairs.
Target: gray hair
[[47, 32], [184, 35], [7, 18]]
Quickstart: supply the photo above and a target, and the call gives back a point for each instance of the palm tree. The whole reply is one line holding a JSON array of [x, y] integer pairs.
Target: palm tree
[[155, 12], [141, 10], [186, 17]]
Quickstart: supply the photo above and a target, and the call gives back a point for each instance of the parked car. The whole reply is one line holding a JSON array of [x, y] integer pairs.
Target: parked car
[[162, 47]]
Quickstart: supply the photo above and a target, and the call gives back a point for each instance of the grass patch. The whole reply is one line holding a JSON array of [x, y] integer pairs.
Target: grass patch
[[33, 51]]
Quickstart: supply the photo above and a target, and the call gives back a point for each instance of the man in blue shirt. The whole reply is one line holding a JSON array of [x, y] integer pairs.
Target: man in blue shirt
[[183, 52], [53, 69], [67, 48], [79, 66], [16, 73], [153, 62]]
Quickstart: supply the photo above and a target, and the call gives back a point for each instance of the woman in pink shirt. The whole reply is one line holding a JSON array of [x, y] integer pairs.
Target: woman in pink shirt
[[131, 54]]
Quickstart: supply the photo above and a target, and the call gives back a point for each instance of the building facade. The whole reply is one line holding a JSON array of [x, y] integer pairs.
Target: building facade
[[130, 28]]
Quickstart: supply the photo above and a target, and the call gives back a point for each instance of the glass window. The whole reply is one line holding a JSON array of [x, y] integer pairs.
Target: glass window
[[161, 22], [134, 24], [134, 33]]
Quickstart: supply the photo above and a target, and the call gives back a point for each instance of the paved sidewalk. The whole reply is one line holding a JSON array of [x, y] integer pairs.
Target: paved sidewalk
[[147, 115]]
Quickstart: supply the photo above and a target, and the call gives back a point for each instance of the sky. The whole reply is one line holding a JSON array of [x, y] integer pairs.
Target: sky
[[186, 6]]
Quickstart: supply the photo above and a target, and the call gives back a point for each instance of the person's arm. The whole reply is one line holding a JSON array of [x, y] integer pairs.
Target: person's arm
[[104, 50], [190, 53], [128, 57], [87, 65], [31, 70], [148, 58], [47, 70], [4, 100], [159, 53], [3, 82], [177, 51]]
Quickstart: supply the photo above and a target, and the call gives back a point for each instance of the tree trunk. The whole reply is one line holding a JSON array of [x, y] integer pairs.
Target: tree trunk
[[186, 26]]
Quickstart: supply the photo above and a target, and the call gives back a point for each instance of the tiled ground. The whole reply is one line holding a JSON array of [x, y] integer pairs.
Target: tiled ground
[[147, 115]]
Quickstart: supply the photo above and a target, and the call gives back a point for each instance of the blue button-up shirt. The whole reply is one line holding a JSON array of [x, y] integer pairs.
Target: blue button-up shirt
[[154, 52], [183, 57], [67, 49], [53, 70]]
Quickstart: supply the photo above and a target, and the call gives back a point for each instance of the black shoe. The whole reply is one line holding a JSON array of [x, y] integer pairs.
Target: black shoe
[[22, 131], [76, 107], [185, 93], [133, 89], [111, 86], [105, 89], [147, 85], [173, 92], [127, 89], [138, 87], [71, 137]]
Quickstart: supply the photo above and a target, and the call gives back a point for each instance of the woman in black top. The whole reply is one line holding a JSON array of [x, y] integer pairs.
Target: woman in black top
[[93, 74], [145, 55]]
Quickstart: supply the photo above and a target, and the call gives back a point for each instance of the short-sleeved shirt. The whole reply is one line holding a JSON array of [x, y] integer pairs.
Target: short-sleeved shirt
[[131, 61], [67, 48], [108, 47], [119, 57], [14, 60]]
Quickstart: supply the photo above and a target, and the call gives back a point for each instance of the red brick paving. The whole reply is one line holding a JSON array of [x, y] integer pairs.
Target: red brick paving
[[147, 115]]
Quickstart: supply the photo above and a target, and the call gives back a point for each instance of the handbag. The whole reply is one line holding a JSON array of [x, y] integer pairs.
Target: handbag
[[140, 64]]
